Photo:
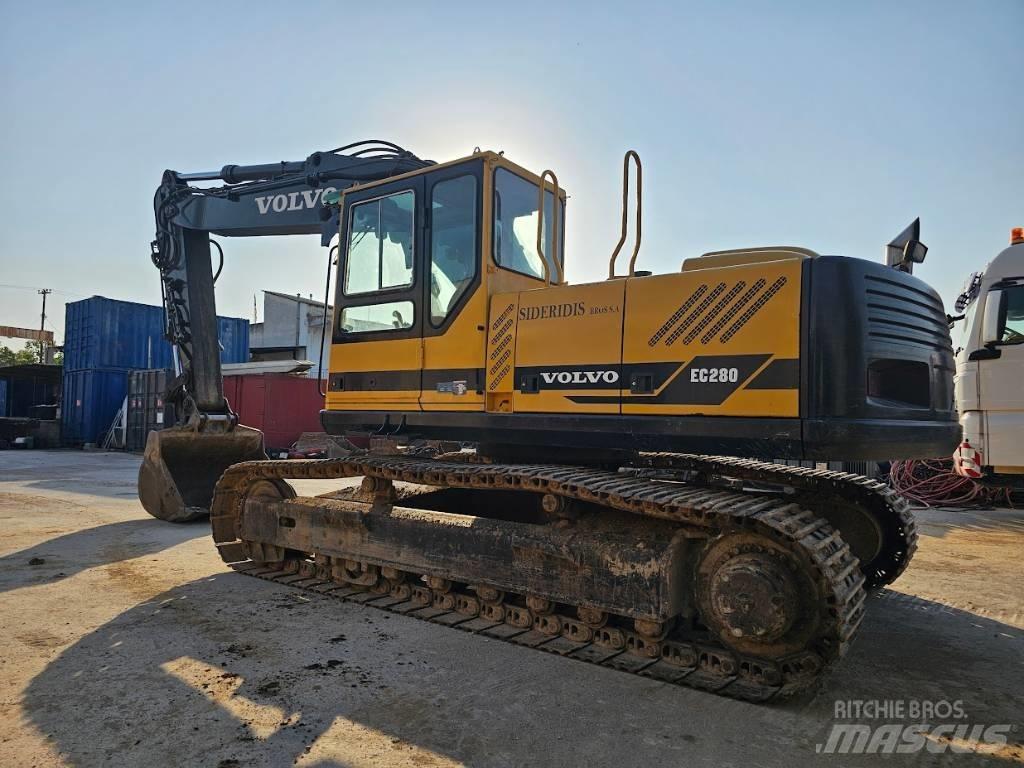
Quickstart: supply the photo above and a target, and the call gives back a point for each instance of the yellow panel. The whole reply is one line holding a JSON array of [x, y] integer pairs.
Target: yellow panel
[[387, 356], [404, 400], [458, 349], [706, 339], [742, 256], [569, 338], [501, 351]]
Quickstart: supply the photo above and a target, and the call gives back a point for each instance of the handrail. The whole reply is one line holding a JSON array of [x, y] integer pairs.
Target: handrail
[[625, 203], [542, 188]]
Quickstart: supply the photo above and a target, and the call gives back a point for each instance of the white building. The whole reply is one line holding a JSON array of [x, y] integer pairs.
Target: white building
[[291, 330]]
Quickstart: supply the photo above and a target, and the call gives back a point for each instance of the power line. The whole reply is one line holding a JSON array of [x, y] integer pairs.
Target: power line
[[37, 289]]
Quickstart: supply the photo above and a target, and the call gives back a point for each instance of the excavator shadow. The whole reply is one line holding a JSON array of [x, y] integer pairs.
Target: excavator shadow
[[231, 671], [939, 522], [64, 556], [96, 474]]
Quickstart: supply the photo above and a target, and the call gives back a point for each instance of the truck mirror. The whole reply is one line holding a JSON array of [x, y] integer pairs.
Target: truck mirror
[[906, 249], [914, 252], [994, 319]]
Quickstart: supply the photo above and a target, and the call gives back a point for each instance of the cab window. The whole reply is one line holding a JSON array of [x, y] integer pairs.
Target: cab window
[[380, 244], [515, 225], [371, 318], [1013, 329], [453, 241]]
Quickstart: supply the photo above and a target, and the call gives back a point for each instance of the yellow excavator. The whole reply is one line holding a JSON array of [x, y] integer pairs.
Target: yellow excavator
[[583, 469]]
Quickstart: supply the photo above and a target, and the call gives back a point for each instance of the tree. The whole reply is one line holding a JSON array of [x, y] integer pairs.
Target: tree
[[26, 356]]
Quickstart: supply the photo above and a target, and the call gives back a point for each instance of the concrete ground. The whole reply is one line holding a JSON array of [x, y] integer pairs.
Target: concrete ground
[[125, 642]]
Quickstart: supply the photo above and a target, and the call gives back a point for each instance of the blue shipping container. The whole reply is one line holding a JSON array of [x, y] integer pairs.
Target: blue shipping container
[[105, 333], [3, 397], [90, 402]]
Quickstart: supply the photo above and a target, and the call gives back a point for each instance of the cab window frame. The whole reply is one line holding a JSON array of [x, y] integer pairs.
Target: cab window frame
[[475, 167], [468, 289], [410, 286], [411, 292], [377, 304], [494, 229], [1016, 290]]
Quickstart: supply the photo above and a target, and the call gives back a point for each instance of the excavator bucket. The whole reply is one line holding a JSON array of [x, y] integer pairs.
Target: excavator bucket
[[181, 467]]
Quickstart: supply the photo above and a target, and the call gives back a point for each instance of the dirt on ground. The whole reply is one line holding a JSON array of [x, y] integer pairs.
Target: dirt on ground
[[126, 642]]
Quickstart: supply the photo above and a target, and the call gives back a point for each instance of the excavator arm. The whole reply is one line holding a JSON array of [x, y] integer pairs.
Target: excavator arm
[[181, 464]]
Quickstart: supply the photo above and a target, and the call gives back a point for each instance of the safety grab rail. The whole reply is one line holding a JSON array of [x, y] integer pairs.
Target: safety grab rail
[[542, 187], [625, 204]]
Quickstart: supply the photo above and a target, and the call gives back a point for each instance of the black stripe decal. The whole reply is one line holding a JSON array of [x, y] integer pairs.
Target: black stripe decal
[[404, 381], [763, 299], [702, 382], [778, 374], [718, 308], [707, 337], [683, 309], [501, 318], [695, 314], [530, 380]]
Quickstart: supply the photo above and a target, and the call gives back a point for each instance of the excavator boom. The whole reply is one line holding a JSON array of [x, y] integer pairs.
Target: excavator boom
[[178, 473]]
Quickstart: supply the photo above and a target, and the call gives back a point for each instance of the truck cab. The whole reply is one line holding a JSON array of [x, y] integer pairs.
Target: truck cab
[[990, 367]]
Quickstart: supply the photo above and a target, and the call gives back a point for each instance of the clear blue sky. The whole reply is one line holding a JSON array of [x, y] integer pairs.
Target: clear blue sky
[[828, 125]]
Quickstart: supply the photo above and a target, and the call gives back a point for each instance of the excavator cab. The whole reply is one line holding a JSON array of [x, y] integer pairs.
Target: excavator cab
[[420, 257]]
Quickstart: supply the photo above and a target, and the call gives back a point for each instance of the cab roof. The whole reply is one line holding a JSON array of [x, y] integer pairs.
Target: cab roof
[[497, 159]]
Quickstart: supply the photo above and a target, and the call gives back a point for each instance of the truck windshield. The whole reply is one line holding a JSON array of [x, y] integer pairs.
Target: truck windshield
[[1013, 331], [515, 225]]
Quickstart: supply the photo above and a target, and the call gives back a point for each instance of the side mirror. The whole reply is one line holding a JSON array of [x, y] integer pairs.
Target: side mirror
[[994, 319], [906, 249], [914, 252]]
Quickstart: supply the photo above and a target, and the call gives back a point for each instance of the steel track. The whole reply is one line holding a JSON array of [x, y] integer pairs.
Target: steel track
[[890, 511], [682, 657]]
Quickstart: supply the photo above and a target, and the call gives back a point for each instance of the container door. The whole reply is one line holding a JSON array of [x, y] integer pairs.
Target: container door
[[377, 347], [252, 401]]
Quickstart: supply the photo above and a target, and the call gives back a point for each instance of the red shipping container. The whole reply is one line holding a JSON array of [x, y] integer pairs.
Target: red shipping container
[[281, 405]]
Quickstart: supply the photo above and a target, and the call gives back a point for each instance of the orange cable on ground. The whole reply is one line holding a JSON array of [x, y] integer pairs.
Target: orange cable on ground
[[934, 483]]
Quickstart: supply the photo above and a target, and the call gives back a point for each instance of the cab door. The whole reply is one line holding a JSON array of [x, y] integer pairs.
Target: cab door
[[999, 380], [376, 355], [453, 297]]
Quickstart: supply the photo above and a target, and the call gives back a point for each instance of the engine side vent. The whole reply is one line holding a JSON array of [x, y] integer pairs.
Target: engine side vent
[[900, 382], [903, 314]]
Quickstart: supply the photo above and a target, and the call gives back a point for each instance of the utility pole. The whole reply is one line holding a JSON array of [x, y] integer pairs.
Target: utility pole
[[42, 323]]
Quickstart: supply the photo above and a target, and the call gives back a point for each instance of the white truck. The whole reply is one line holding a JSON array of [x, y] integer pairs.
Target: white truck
[[989, 380]]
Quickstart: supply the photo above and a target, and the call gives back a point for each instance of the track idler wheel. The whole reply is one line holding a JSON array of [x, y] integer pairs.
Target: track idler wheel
[[259, 551], [755, 595], [878, 541]]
